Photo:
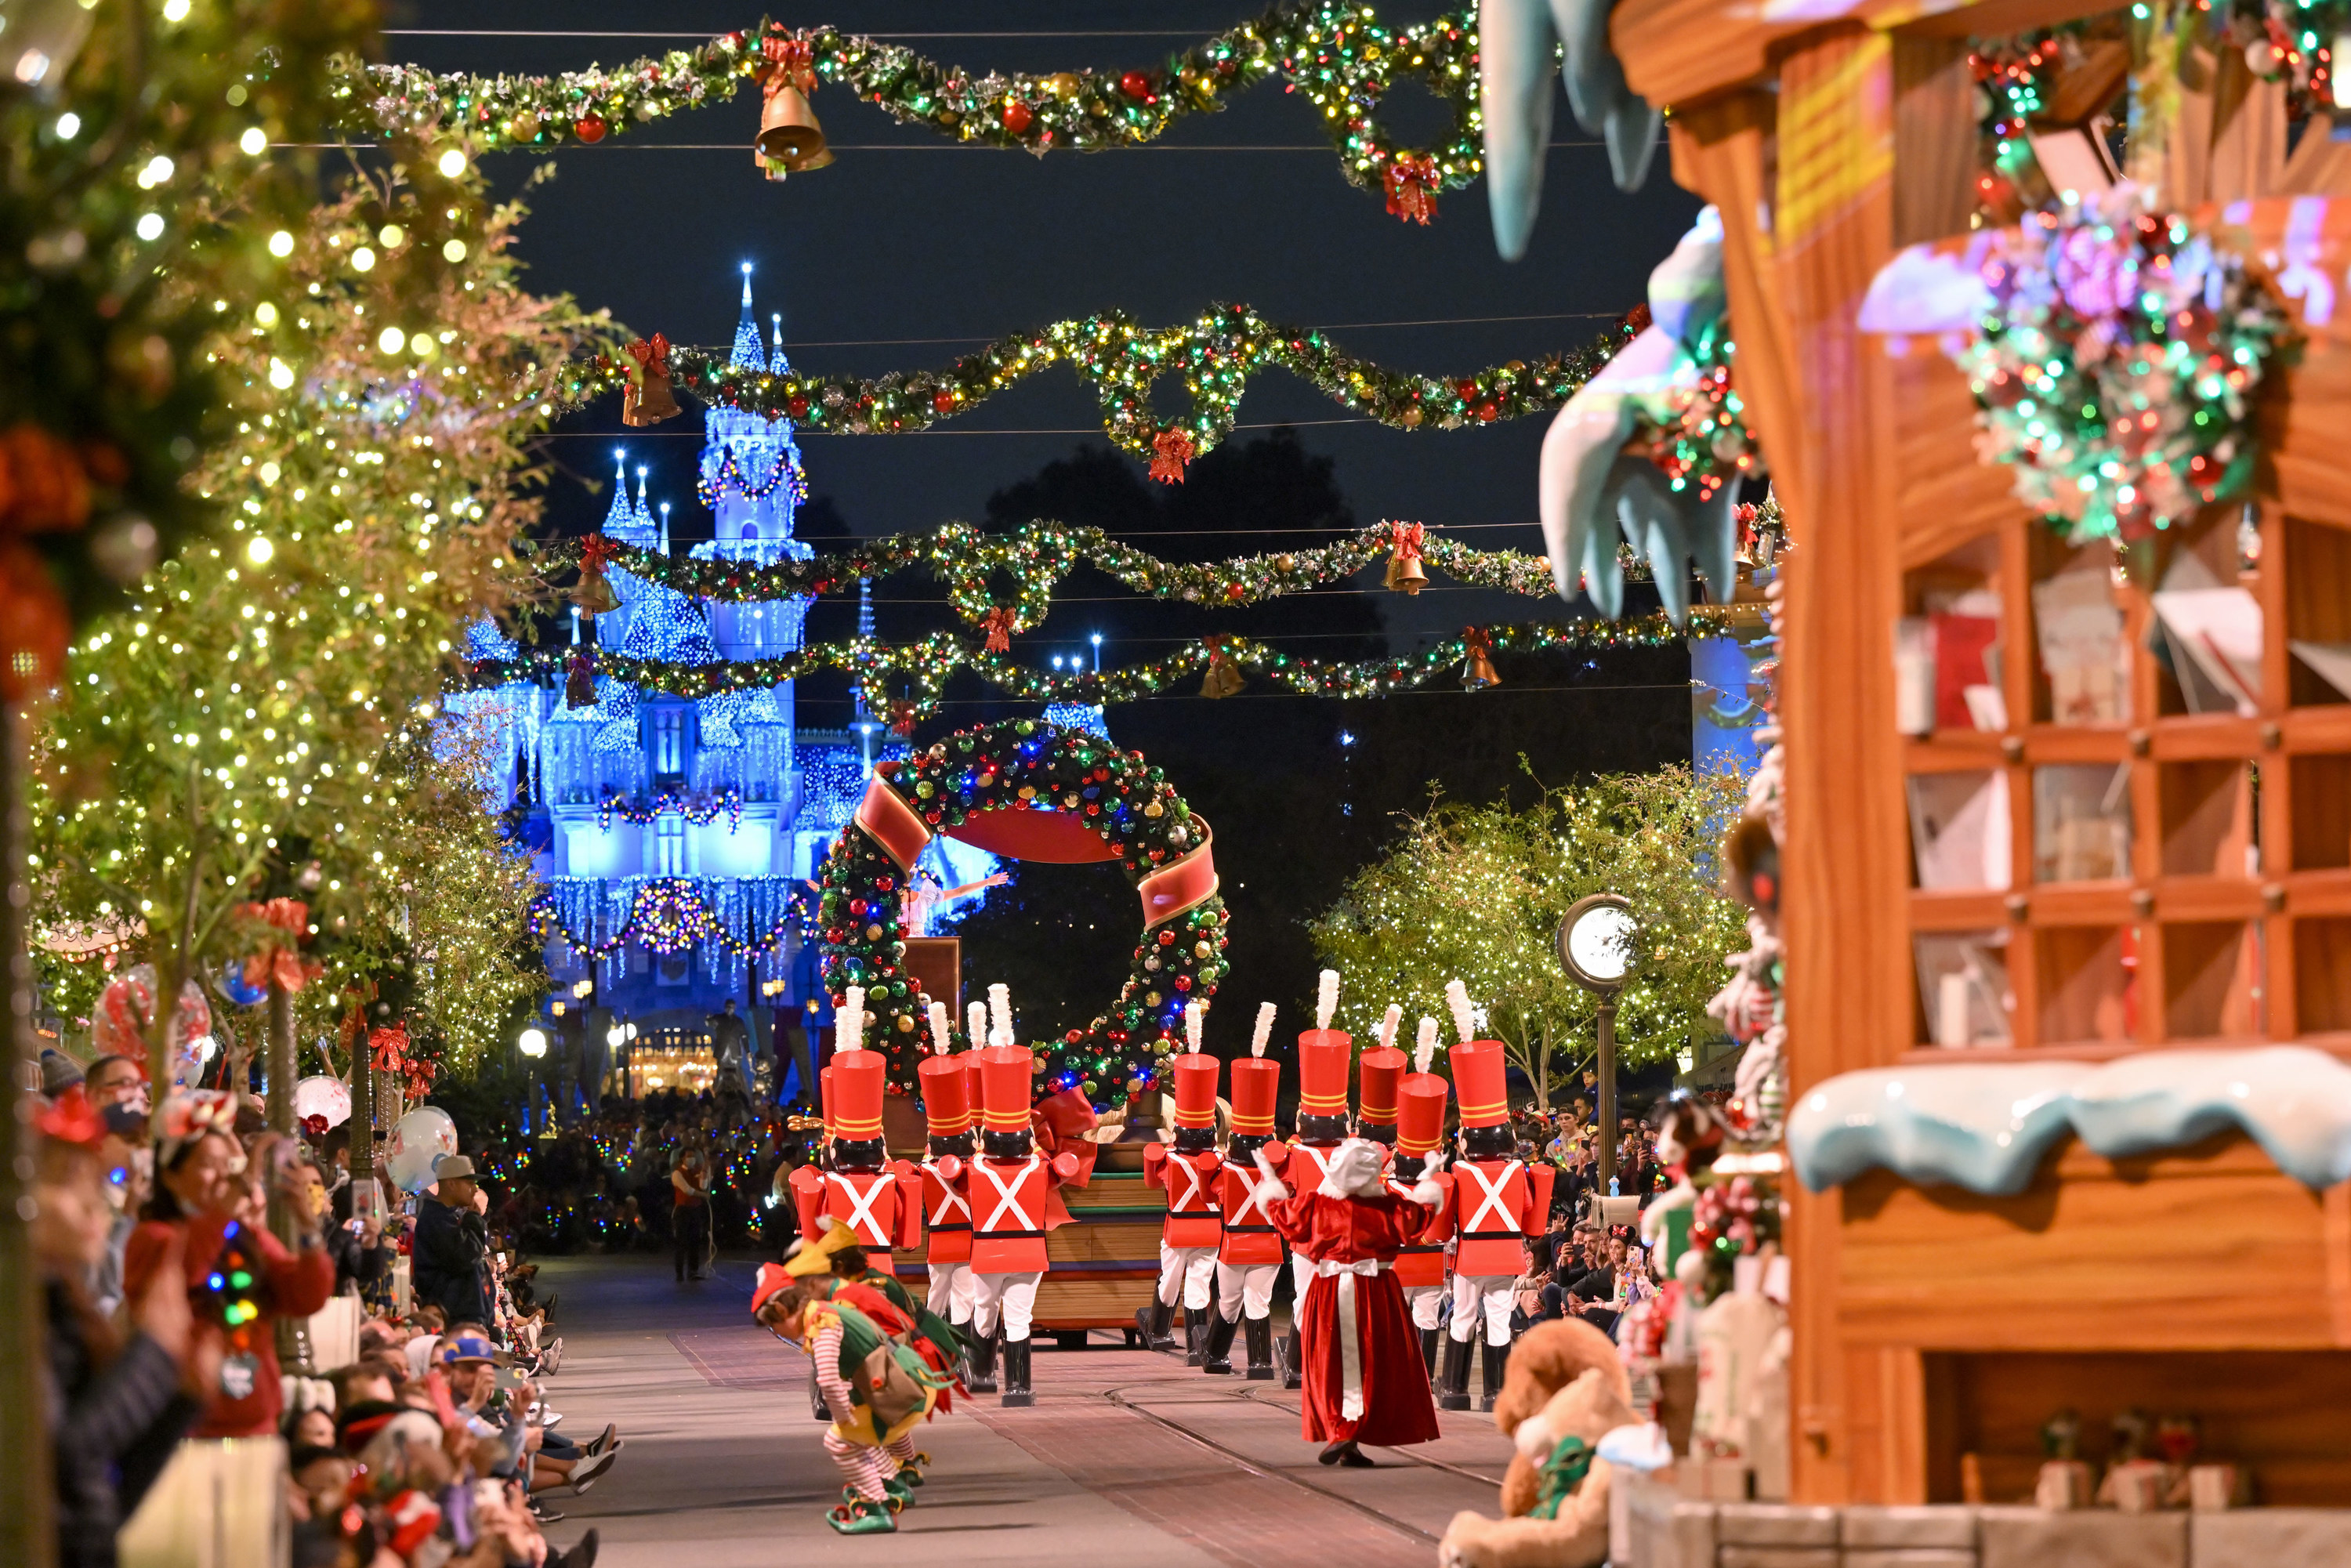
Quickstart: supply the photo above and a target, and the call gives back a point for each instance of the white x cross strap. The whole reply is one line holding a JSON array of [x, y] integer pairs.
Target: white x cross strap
[[1180, 1203], [1007, 1197], [1493, 1201], [860, 1217], [951, 1203], [1241, 1217]]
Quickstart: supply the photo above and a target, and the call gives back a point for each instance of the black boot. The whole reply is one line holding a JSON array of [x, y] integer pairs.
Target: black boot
[[979, 1362], [1293, 1367], [1217, 1354], [1261, 1350], [816, 1397], [1428, 1351], [1453, 1391], [1155, 1322], [1016, 1374], [1195, 1336], [1498, 1356]]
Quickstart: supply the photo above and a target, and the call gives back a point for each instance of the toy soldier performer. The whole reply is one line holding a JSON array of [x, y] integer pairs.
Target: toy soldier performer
[[1248, 1259], [879, 1199], [946, 1197], [1191, 1232], [1420, 1133], [1377, 1072], [1008, 1185], [1495, 1203], [1323, 1056]]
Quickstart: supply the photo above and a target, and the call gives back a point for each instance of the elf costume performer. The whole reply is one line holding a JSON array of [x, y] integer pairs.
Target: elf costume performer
[[882, 1297], [1189, 1235], [1421, 1099], [1325, 1054], [1008, 1184], [947, 1195], [1248, 1258], [1363, 1381], [874, 1376], [1494, 1203], [878, 1198]]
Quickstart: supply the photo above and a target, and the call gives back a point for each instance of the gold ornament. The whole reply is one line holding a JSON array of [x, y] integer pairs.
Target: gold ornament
[[874, 934], [1062, 85], [523, 125]]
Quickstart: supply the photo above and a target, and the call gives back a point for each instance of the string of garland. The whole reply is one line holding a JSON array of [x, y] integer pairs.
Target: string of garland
[[695, 809], [924, 668], [1216, 355], [1338, 57], [668, 915], [1037, 555]]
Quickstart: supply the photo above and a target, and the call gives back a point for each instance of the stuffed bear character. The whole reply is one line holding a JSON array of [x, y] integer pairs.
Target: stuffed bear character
[[1566, 1522], [1546, 1359]]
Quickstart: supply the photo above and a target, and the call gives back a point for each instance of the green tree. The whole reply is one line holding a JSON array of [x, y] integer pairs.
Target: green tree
[[1477, 892]]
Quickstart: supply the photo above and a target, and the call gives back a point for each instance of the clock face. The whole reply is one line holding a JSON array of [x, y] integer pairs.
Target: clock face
[[1600, 943]]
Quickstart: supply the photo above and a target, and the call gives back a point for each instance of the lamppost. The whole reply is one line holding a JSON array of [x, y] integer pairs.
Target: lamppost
[[1595, 949]]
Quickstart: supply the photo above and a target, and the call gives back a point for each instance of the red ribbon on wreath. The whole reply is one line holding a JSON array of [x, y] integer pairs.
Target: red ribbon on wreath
[[1407, 541], [651, 355], [289, 922], [789, 60], [998, 621], [596, 551], [1412, 183], [903, 715], [1170, 451]]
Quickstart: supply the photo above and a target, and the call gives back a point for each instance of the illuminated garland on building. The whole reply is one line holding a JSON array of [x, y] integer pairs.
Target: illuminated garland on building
[[1216, 355], [1037, 555], [667, 915], [785, 474], [697, 809], [922, 667], [1338, 57], [1021, 764]]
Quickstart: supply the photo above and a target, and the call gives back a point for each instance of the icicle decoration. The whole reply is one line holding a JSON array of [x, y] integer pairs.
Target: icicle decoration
[[1196, 1019], [1264, 1028], [1457, 998], [1423, 1048], [1326, 998], [1394, 1016]]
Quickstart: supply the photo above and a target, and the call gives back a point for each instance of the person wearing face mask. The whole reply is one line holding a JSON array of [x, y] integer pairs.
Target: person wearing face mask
[[128, 1164], [207, 1206], [120, 1401]]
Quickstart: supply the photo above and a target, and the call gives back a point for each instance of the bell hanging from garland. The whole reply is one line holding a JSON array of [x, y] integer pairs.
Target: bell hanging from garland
[[580, 684], [1224, 677], [1404, 575], [1477, 670], [791, 142], [593, 593], [647, 400]]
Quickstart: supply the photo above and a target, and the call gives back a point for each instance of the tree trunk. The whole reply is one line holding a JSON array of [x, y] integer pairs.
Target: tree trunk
[[27, 1531], [279, 1061], [1542, 1063]]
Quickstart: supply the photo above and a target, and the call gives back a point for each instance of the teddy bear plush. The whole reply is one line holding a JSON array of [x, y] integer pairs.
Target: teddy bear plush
[[1565, 1389]]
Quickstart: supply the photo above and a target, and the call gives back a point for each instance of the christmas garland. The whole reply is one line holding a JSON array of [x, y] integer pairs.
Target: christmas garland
[[922, 667], [666, 915], [1338, 57], [1216, 355], [2116, 362], [784, 474], [1037, 555], [696, 808], [1022, 765]]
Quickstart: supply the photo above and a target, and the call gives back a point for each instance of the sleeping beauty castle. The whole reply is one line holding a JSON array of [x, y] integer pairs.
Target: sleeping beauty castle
[[678, 837]]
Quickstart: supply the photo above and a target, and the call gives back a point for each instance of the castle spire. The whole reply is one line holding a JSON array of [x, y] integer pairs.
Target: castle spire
[[644, 517], [747, 331], [776, 359], [664, 533], [617, 518]]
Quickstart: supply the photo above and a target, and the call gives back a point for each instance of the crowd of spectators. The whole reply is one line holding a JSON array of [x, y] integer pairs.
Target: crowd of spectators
[[182, 1253]]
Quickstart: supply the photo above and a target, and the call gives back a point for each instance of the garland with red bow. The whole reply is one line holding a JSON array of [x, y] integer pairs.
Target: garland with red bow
[[284, 925]]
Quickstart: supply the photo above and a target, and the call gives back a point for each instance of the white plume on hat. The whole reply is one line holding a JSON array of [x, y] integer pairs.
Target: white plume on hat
[[1394, 1016], [938, 1029], [849, 1020], [999, 1014], [1424, 1045], [1326, 997], [1457, 998], [977, 1031], [1264, 1028], [1195, 1018]]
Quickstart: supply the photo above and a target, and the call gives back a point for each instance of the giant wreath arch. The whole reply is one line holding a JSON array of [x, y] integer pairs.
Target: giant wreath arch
[[1031, 791]]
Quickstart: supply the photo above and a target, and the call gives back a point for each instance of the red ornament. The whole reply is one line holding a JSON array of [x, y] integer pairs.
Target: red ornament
[[1017, 117], [1134, 84], [1167, 939], [1183, 982], [1488, 411], [589, 128], [796, 406], [944, 402]]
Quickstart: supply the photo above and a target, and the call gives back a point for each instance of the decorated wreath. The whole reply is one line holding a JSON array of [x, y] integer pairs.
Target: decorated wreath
[[1028, 790]]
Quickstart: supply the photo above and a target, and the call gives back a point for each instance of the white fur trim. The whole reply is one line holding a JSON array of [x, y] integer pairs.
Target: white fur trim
[[1326, 997]]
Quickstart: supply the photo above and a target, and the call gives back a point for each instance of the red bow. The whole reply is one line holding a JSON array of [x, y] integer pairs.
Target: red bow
[[1412, 187], [1170, 450], [1409, 540], [903, 715], [388, 1048], [1477, 639], [998, 623], [315, 1126], [281, 960], [789, 60], [651, 355], [596, 551]]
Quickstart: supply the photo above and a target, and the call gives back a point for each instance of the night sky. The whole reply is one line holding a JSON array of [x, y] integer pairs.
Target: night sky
[[910, 249]]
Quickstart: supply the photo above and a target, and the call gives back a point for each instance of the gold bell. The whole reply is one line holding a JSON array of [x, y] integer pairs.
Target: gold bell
[[594, 594], [648, 405], [790, 137], [1404, 575], [1222, 679], [1479, 674]]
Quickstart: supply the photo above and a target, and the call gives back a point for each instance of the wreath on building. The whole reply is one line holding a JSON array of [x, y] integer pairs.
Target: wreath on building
[[1028, 791]]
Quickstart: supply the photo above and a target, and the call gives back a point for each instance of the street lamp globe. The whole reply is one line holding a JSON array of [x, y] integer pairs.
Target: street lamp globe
[[1596, 942], [533, 1041]]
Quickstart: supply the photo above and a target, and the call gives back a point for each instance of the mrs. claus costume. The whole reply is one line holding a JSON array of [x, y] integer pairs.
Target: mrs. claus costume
[[1364, 1381]]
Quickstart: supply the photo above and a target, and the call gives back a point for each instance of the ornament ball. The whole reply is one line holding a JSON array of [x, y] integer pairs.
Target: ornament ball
[[589, 128], [1017, 116]]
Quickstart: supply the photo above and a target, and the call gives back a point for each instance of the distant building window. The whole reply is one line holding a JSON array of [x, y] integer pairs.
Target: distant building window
[[750, 531], [669, 740], [669, 846]]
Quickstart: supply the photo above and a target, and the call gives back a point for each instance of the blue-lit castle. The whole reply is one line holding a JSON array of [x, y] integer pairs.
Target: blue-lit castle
[[678, 837]]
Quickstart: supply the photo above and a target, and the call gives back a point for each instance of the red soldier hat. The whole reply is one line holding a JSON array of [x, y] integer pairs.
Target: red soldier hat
[[1420, 1122], [1478, 1075], [824, 1099], [1005, 1071], [947, 1095], [1196, 1090], [1323, 1058], [1256, 1083], [974, 1092], [855, 1078], [1377, 1074]]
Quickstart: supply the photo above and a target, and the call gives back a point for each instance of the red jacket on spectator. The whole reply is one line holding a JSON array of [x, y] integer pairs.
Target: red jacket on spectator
[[297, 1284]]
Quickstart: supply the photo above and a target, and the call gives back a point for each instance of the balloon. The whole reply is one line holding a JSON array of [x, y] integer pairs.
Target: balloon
[[410, 1170], [418, 1139], [237, 988], [322, 1096]]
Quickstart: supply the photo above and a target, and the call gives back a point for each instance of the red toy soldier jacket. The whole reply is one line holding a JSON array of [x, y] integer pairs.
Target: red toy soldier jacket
[[882, 1208], [1494, 1206], [1421, 1261], [1249, 1238], [1008, 1211], [1303, 1168], [1195, 1217], [947, 1209]]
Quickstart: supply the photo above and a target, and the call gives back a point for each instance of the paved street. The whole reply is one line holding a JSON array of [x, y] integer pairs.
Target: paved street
[[1126, 1458]]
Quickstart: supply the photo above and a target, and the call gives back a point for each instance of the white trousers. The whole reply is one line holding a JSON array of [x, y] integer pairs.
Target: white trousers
[[1492, 1292], [1010, 1297], [950, 1292], [1191, 1268], [1245, 1286], [1425, 1302]]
